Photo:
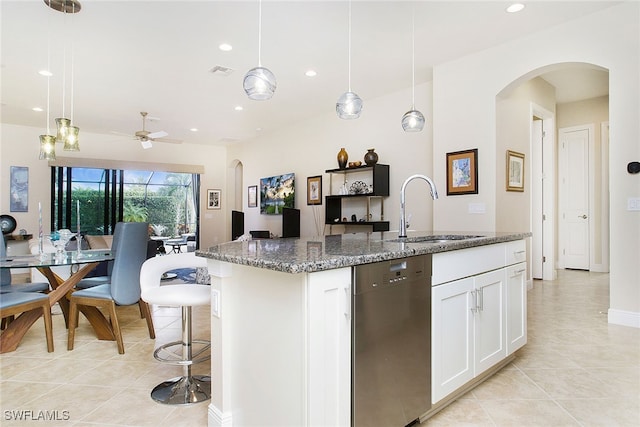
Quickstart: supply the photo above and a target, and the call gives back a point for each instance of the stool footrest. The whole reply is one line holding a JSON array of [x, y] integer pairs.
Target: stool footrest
[[183, 390], [164, 353]]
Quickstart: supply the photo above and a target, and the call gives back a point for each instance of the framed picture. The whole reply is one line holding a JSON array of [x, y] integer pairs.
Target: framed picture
[[19, 190], [515, 171], [277, 192], [314, 190], [213, 199], [252, 196], [462, 172]]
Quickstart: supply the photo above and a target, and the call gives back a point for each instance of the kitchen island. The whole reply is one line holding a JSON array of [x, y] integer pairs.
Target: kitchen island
[[281, 319]]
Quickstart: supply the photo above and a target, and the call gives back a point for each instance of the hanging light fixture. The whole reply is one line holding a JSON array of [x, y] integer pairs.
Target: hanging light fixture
[[259, 83], [66, 133], [413, 120], [71, 142], [349, 105], [48, 141]]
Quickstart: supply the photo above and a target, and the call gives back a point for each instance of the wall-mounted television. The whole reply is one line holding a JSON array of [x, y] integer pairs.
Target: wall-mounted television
[[277, 192]]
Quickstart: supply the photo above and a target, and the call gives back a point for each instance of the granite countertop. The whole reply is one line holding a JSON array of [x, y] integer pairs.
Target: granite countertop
[[309, 254]]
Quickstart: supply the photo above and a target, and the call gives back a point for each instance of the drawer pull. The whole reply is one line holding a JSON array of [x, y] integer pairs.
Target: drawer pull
[[518, 272]]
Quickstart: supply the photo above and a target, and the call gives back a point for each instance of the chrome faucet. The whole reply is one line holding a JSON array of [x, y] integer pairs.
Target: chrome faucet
[[434, 195]]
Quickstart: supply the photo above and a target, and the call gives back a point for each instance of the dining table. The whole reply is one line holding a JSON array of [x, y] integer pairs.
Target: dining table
[[86, 260]]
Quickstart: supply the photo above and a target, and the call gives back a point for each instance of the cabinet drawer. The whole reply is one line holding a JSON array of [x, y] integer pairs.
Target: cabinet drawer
[[448, 266], [515, 252]]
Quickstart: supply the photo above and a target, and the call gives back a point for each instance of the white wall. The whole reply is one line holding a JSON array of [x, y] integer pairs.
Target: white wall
[[464, 93], [309, 148], [20, 146]]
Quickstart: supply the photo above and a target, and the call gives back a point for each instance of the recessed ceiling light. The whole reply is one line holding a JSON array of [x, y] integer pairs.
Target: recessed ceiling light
[[310, 73], [239, 108], [194, 129], [45, 73], [516, 7], [38, 109], [225, 47]]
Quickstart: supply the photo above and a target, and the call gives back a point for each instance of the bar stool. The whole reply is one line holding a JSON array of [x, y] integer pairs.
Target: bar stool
[[188, 388]]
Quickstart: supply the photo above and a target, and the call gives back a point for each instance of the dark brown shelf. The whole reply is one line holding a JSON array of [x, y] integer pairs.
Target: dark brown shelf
[[347, 170], [377, 225]]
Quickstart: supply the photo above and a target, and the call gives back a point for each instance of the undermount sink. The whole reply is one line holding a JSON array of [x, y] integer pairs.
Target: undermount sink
[[442, 238]]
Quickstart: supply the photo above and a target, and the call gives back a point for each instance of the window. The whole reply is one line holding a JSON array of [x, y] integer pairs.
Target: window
[[168, 201]]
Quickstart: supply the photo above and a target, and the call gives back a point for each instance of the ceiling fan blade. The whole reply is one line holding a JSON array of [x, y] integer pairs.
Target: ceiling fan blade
[[146, 144], [172, 141], [155, 135]]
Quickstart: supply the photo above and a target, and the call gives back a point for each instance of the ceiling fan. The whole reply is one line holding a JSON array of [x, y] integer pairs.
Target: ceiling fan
[[146, 138]]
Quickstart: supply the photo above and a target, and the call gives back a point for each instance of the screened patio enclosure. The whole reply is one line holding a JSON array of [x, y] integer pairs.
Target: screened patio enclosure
[[168, 201]]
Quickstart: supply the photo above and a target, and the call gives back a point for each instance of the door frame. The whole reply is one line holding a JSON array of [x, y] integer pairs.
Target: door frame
[[548, 157]]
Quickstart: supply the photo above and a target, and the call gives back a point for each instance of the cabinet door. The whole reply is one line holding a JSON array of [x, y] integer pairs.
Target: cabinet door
[[516, 307], [329, 340], [451, 337], [489, 320]]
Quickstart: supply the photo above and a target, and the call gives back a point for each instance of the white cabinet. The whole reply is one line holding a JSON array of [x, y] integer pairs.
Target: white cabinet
[[516, 306], [451, 337], [467, 330], [478, 319], [329, 340]]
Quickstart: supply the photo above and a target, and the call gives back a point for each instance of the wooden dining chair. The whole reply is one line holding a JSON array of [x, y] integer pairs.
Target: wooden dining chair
[[14, 303], [130, 252]]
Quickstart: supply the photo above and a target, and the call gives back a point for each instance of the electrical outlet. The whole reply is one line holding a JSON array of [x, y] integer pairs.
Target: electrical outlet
[[633, 204], [215, 303]]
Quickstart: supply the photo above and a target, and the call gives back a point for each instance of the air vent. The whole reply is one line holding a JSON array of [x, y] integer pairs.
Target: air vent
[[219, 70]]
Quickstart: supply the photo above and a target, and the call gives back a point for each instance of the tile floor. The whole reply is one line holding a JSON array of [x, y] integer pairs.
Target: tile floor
[[576, 370]]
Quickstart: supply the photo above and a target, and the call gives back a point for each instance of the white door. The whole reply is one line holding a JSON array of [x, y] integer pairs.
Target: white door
[[574, 184], [489, 323]]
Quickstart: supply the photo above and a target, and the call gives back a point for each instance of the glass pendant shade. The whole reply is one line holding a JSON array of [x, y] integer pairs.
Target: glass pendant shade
[[47, 147], [63, 128], [71, 143], [259, 84], [349, 106], [412, 121]]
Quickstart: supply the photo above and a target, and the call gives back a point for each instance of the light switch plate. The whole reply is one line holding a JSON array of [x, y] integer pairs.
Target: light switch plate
[[477, 208], [633, 204]]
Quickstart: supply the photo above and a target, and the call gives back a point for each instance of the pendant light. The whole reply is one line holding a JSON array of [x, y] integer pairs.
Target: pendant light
[[413, 120], [349, 105], [71, 142], [259, 83], [66, 133], [48, 141]]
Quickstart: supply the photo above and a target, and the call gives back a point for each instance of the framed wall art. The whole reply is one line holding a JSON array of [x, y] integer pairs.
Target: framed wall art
[[277, 192], [252, 196], [314, 190], [462, 172], [515, 171], [19, 190], [214, 199]]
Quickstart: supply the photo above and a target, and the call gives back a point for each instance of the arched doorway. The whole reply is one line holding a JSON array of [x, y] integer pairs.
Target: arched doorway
[[529, 112]]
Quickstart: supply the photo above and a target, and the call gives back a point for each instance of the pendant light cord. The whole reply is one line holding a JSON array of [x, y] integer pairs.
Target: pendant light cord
[[64, 67], [73, 12], [48, 69], [413, 58], [259, 33], [349, 62]]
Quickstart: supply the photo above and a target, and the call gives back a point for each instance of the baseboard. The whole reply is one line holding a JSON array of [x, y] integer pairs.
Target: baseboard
[[218, 418], [624, 318]]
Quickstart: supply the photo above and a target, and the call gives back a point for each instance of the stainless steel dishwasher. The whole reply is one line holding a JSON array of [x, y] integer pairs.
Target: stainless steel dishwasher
[[391, 349]]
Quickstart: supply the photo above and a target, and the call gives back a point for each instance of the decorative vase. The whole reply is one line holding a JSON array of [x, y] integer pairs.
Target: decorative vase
[[342, 158], [371, 158]]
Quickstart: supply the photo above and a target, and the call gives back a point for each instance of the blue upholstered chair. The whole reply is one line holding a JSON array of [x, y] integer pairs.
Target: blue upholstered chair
[[188, 388], [5, 278], [130, 252]]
